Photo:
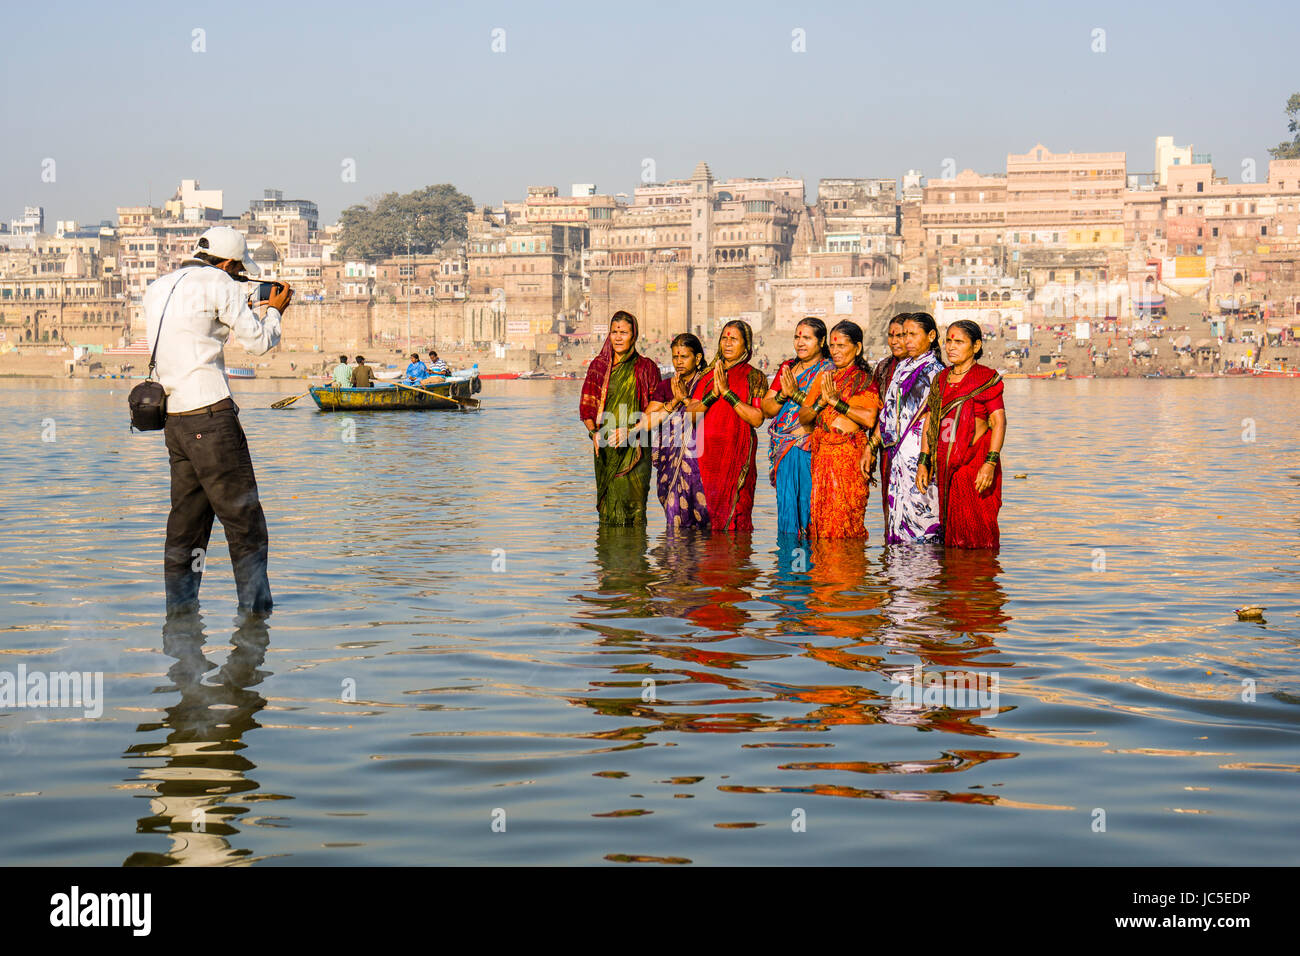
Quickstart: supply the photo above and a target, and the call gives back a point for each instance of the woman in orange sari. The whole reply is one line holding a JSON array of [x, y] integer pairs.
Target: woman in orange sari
[[963, 434], [729, 395], [844, 409]]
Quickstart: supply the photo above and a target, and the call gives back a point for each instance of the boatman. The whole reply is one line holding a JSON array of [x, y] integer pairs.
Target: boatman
[[211, 470], [363, 376]]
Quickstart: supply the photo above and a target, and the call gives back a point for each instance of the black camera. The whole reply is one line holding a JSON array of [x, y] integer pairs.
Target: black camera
[[265, 290]]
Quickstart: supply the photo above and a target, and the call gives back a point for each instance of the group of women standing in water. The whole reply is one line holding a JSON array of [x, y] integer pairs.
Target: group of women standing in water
[[932, 432]]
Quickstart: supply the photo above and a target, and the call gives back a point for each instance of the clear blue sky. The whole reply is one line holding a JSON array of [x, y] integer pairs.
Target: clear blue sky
[[585, 91]]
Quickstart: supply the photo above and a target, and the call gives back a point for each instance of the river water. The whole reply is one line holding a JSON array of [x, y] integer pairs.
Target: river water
[[462, 668]]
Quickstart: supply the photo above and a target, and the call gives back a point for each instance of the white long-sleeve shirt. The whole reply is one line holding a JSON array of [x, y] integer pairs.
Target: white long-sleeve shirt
[[206, 306]]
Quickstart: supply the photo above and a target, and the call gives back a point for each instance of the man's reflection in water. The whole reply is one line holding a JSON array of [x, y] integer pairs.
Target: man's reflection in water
[[202, 760]]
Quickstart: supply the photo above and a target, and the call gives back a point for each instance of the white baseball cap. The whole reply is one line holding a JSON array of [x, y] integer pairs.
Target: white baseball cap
[[226, 243]]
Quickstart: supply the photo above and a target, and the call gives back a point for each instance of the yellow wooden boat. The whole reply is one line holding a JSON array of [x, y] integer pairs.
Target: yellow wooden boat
[[453, 394]]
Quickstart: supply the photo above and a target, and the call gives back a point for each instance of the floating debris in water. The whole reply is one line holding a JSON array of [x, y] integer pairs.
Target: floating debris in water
[[1251, 612], [1020, 476]]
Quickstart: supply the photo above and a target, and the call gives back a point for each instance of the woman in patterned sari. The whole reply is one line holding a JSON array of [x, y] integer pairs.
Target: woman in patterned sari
[[789, 460], [881, 376], [964, 430], [615, 394], [729, 395], [844, 410], [681, 490], [913, 511]]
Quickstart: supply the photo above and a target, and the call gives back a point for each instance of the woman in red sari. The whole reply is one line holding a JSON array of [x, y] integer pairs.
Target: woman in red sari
[[730, 396], [964, 430], [844, 409]]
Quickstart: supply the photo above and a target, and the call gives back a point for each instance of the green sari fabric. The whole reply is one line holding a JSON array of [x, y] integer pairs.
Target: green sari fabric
[[622, 474]]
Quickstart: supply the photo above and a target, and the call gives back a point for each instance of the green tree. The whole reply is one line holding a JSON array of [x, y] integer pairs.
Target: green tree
[[1291, 150], [382, 226]]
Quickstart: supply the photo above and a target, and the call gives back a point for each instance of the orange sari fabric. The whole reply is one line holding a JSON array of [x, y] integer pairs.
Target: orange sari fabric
[[839, 490]]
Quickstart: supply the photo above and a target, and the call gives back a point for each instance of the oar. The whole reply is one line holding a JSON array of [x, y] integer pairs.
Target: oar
[[434, 394], [286, 402]]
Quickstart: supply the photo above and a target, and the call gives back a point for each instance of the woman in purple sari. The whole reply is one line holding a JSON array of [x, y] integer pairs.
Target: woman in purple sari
[[675, 454]]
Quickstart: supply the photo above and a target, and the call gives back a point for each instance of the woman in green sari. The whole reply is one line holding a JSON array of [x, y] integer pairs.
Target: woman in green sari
[[615, 394]]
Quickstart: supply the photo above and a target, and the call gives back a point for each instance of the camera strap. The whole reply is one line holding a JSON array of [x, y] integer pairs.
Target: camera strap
[[153, 356]]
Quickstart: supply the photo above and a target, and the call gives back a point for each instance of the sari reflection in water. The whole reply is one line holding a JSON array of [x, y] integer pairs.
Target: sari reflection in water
[[965, 427], [616, 391], [844, 411], [674, 452], [913, 513], [788, 455], [729, 395]]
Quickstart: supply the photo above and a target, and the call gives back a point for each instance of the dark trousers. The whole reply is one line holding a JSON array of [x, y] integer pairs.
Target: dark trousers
[[212, 475]]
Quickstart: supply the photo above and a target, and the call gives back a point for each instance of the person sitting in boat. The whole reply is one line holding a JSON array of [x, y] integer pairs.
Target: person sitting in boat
[[342, 373], [438, 370], [363, 375], [416, 372]]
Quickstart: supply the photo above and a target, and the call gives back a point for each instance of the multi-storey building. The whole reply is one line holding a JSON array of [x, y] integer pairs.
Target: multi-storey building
[[961, 219], [524, 278], [1065, 200], [689, 255], [61, 294]]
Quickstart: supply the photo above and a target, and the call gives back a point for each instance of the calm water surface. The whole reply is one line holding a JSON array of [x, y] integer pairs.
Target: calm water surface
[[456, 644]]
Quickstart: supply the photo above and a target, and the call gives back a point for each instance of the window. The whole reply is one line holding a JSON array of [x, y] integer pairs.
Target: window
[[1200, 187], [1214, 232], [1263, 230]]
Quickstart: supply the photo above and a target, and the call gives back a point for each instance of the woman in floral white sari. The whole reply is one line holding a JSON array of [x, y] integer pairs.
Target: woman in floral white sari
[[913, 514]]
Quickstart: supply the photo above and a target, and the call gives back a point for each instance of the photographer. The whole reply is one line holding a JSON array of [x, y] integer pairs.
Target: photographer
[[211, 471]]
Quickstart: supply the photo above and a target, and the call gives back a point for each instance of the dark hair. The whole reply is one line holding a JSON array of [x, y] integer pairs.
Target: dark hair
[[926, 321], [690, 341], [416, 356], [898, 319], [361, 359], [819, 330], [623, 316], [343, 359], [432, 354], [854, 333], [746, 336], [973, 332]]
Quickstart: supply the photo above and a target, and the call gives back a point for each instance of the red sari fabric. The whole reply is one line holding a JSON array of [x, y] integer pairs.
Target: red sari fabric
[[645, 372], [839, 491], [728, 455], [969, 519]]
